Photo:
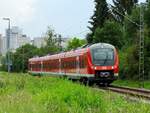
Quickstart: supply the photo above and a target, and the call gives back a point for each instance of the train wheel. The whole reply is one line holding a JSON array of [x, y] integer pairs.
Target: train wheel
[[109, 82], [90, 83], [84, 81], [103, 84]]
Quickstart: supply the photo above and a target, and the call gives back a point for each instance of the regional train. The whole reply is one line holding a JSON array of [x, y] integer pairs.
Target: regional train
[[96, 63]]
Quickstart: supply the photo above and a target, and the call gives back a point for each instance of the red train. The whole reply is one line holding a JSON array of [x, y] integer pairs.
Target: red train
[[97, 63]]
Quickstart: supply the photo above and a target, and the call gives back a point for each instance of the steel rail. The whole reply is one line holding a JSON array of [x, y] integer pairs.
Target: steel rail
[[136, 92]]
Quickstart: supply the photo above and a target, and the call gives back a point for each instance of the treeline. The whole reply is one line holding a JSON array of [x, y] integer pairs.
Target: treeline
[[19, 58], [120, 25]]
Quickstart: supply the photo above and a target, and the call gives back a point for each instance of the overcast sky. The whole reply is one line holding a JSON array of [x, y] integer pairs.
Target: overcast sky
[[67, 17]]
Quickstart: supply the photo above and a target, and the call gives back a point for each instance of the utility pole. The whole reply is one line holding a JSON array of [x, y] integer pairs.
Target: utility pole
[[8, 44], [141, 48], [141, 41], [60, 42], [23, 56]]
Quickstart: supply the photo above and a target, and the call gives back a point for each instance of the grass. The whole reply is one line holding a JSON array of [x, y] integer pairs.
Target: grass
[[130, 83], [22, 93]]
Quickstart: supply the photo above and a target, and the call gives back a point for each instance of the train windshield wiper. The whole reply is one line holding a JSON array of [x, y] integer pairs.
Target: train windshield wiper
[[105, 59]]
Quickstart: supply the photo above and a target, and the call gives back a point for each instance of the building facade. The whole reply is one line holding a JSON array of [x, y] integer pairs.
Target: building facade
[[3, 45], [39, 42], [17, 39], [0, 44]]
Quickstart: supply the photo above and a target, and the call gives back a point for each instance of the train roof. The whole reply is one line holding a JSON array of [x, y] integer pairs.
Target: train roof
[[60, 55], [102, 45], [72, 53]]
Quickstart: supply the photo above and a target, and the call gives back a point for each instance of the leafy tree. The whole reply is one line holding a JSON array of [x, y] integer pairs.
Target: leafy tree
[[131, 29], [147, 40], [75, 43], [147, 16], [130, 65], [147, 57], [123, 7], [0, 58], [20, 58], [51, 46], [99, 17], [110, 33], [3, 62]]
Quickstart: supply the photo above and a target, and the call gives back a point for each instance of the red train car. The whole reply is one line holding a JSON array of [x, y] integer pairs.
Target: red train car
[[97, 63]]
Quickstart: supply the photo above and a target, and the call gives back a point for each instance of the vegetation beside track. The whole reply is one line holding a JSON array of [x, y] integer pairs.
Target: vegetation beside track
[[131, 83], [22, 93]]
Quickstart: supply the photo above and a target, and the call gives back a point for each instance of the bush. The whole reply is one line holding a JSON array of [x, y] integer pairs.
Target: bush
[[129, 63], [110, 33]]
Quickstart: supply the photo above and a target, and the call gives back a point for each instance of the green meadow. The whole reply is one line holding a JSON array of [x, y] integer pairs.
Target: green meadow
[[23, 93]]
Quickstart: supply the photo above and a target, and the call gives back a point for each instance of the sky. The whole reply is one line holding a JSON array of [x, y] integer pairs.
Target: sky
[[67, 17]]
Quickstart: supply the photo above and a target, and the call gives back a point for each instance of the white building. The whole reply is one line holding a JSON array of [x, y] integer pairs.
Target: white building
[[0, 44], [23, 40], [15, 34], [3, 45], [39, 42], [64, 42], [17, 39], [0, 48]]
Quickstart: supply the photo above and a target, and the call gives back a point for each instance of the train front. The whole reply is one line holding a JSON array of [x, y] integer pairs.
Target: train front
[[104, 63]]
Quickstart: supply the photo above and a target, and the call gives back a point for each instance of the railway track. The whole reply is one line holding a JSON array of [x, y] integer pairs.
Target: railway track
[[136, 92]]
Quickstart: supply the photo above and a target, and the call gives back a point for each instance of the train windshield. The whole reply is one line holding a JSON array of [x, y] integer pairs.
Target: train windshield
[[103, 56]]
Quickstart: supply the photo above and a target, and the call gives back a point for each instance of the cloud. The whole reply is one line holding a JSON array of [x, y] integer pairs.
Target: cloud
[[18, 10]]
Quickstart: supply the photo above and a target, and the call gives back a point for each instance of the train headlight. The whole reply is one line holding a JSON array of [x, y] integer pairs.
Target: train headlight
[[112, 67]]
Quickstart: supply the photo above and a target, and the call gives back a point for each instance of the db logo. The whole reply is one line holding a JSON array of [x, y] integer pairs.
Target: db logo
[[104, 68]]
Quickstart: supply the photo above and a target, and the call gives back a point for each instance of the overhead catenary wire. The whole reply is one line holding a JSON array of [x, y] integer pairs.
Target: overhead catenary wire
[[141, 41], [81, 32], [110, 6]]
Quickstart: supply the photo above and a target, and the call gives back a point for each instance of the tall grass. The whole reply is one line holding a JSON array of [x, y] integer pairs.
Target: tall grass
[[22, 93]]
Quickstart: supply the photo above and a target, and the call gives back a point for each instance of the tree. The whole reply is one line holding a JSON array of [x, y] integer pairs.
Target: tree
[[110, 33], [101, 14], [132, 29], [130, 64], [123, 7], [3, 65], [147, 15], [147, 40], [0, 58], [75, 43], [51, 46], [20, 58]]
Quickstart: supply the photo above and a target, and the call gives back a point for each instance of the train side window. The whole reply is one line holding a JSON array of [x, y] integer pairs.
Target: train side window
[[39, 66], [44, 66], [49, 65], [74, 64]]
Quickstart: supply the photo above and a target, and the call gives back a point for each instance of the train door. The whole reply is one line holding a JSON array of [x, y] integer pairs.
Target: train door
[[41, 66], [59, 66], [77, 65]]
